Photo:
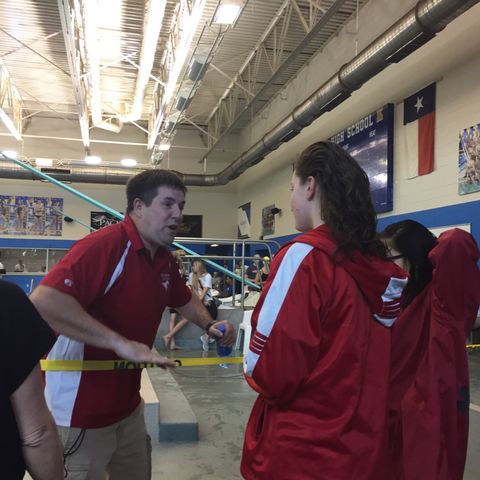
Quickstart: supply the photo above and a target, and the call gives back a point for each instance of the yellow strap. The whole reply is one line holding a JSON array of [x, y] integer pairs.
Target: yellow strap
[[97, 365]]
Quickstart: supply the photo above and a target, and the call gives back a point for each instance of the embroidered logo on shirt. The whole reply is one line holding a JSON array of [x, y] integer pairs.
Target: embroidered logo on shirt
[[68, 282]]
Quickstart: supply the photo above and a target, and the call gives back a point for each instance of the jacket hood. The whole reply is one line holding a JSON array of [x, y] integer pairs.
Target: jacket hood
[[381, 282]]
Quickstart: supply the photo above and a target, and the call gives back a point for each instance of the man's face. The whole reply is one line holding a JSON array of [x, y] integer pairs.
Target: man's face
[[158, 223]]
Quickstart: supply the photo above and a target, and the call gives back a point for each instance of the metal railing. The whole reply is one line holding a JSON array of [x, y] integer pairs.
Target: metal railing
[[271, 246]]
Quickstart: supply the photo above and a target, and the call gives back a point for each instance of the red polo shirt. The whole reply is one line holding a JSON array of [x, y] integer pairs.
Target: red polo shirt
[[111, 274]]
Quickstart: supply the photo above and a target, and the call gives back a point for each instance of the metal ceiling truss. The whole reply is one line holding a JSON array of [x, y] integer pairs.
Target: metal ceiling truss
[[411, 32], [166, 115], [190, 81], [71, 27], [10, 103], [162, 97], [57, 109], [273, 52]]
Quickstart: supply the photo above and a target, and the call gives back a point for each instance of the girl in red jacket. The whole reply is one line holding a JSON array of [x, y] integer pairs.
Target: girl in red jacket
[[429, 396], [319, 355]]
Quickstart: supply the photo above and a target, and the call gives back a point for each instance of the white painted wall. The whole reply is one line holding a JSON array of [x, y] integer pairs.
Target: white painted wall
[[452, 59], [218, 209], [458, 107]]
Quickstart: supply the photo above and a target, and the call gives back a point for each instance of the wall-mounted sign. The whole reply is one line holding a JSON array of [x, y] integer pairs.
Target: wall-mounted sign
[[102, 219], [243, 220], [370, 141], [268, 221], [191, 226]]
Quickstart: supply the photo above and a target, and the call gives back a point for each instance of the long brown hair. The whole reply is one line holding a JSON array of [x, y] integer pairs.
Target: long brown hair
[[414, 242], [177, 255], [202, 270], [345, 199]]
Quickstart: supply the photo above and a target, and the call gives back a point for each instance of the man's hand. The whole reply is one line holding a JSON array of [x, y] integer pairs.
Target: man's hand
[[139, 352], [227, 338]]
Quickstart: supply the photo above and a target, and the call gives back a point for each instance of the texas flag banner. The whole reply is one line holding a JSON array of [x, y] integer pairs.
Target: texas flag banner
[[419, 121]]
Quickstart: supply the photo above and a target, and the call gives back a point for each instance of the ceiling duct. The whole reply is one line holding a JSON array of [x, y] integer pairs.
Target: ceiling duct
[[412, 31], [100, 175]]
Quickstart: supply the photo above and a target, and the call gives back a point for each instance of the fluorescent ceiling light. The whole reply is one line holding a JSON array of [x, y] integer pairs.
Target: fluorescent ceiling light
[[44, 162], [90, 27], [153, 25], [10, 153], [190, 23], [164, 147], [181, 52], [227, 12], [93, 159], [214, 245], [128, 162]]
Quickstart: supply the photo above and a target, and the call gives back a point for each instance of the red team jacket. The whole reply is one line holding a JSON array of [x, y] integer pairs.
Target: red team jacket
[[429, 400], [319, 358]]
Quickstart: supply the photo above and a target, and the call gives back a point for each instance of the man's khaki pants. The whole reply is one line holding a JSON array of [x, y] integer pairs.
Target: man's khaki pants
[[122, 450]]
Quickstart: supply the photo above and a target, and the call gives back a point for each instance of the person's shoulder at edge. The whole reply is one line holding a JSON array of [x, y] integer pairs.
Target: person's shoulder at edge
[[454, 238], [11, 289]]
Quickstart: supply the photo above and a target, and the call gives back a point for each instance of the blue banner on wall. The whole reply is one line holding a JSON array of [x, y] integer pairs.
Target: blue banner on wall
[[370, 141]]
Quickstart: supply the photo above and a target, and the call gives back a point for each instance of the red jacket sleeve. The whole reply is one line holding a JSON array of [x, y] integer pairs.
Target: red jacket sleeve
[[456, 278], [286, 334]]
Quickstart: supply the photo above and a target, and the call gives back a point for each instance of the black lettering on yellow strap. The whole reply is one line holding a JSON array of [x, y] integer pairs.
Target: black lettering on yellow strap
[[101, 365]]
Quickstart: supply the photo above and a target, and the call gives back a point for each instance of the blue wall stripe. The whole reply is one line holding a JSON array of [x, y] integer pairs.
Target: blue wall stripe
[[436, 217], [442, 216], [19, 242]]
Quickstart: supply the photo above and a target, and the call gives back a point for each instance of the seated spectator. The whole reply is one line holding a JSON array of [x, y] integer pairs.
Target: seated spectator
[[252, 270], [217, 281], [20, 266], [263, 271]]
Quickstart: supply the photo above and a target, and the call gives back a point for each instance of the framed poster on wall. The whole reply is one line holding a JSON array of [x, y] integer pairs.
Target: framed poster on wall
[[268, 220], [469, 160], [22, 215], [243, 220], [191, 226]]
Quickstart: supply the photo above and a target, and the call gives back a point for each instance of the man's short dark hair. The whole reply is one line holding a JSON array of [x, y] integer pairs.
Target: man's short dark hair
[[145, 185]]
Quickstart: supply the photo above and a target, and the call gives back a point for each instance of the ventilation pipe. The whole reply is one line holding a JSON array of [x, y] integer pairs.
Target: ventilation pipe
[[101, 175], [412, 31]]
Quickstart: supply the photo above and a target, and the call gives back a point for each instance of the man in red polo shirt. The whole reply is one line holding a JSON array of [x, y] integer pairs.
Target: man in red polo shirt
[[105, 298]]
